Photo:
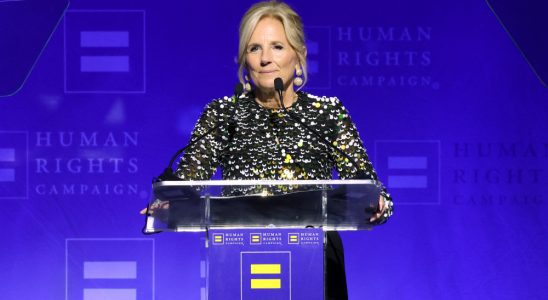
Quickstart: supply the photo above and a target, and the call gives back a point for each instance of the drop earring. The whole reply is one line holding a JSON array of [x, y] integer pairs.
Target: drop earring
[[298, 80], [247, 85]]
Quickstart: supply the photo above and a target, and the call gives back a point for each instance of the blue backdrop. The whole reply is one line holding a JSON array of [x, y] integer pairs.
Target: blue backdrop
[[120, 85]]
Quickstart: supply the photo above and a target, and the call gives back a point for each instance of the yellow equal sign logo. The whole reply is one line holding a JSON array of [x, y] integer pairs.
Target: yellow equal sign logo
[[293, 238], [218, 238], [255, 238], [266, 269]]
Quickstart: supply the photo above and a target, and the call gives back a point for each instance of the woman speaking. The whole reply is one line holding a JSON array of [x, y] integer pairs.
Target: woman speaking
[[276, 131]]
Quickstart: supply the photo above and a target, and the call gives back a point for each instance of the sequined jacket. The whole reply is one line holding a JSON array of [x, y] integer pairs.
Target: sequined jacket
[[262, 143]]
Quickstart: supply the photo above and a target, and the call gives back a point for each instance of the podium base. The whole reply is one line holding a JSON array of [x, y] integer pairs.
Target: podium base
[[265, 264]]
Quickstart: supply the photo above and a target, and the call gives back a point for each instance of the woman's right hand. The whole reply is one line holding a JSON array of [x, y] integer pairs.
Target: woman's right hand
[[155, 205]]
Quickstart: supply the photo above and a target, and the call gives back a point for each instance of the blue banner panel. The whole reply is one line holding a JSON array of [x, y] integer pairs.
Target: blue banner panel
[[25, 29], [453, 118], [526, 23], [265, 264], [94, 271], [105, 51], [410, 169]]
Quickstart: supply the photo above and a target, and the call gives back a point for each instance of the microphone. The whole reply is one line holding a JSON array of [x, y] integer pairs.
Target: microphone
[[238, 89], [168, 174], [279, 87]]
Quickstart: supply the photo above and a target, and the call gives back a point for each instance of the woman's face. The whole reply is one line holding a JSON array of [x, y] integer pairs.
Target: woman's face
[[269, 55]]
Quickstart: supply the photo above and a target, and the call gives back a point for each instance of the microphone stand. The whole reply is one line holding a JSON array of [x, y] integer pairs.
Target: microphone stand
[[168, 174]]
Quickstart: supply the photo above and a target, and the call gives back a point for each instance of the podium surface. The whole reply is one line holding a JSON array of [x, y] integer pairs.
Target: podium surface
[[216, 204]]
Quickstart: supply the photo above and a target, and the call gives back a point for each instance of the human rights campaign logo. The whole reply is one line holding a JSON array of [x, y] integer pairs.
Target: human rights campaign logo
[[293, 238], [105, 51], [13, 165], [94, 271], [255, 239], [410, 169], [265, 275], [218, 239], [318, 52]]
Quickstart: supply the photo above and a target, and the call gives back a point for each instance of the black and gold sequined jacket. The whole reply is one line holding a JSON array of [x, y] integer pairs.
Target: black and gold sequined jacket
[[261, 143]]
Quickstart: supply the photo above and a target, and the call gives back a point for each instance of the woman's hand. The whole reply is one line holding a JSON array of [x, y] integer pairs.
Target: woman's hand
[[380, 211], [155, 205]]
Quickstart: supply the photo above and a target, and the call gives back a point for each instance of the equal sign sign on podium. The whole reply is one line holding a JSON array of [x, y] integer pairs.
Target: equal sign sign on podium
[[265, 275], [255, 239], [266, 283], [293, 238]]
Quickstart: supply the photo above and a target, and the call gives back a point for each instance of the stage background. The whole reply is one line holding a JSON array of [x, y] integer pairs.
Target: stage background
[[440, 83]]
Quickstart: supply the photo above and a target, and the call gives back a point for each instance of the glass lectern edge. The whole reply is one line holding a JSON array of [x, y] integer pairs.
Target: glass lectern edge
[[263, 182]]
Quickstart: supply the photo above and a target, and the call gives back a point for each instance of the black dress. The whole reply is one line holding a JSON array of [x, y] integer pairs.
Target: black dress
[[262, 143]]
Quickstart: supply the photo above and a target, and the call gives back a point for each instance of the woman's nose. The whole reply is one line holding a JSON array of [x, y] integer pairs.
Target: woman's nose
[[266, 57]]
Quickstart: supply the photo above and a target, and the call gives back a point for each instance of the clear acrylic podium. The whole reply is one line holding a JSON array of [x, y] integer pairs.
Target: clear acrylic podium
[[216, 204], [264, 238]]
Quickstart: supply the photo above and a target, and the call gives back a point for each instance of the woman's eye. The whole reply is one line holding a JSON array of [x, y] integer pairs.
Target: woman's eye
[[278, 47], [253, 48]]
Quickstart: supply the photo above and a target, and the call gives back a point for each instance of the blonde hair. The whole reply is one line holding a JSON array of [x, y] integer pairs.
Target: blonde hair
[[293, 28]]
